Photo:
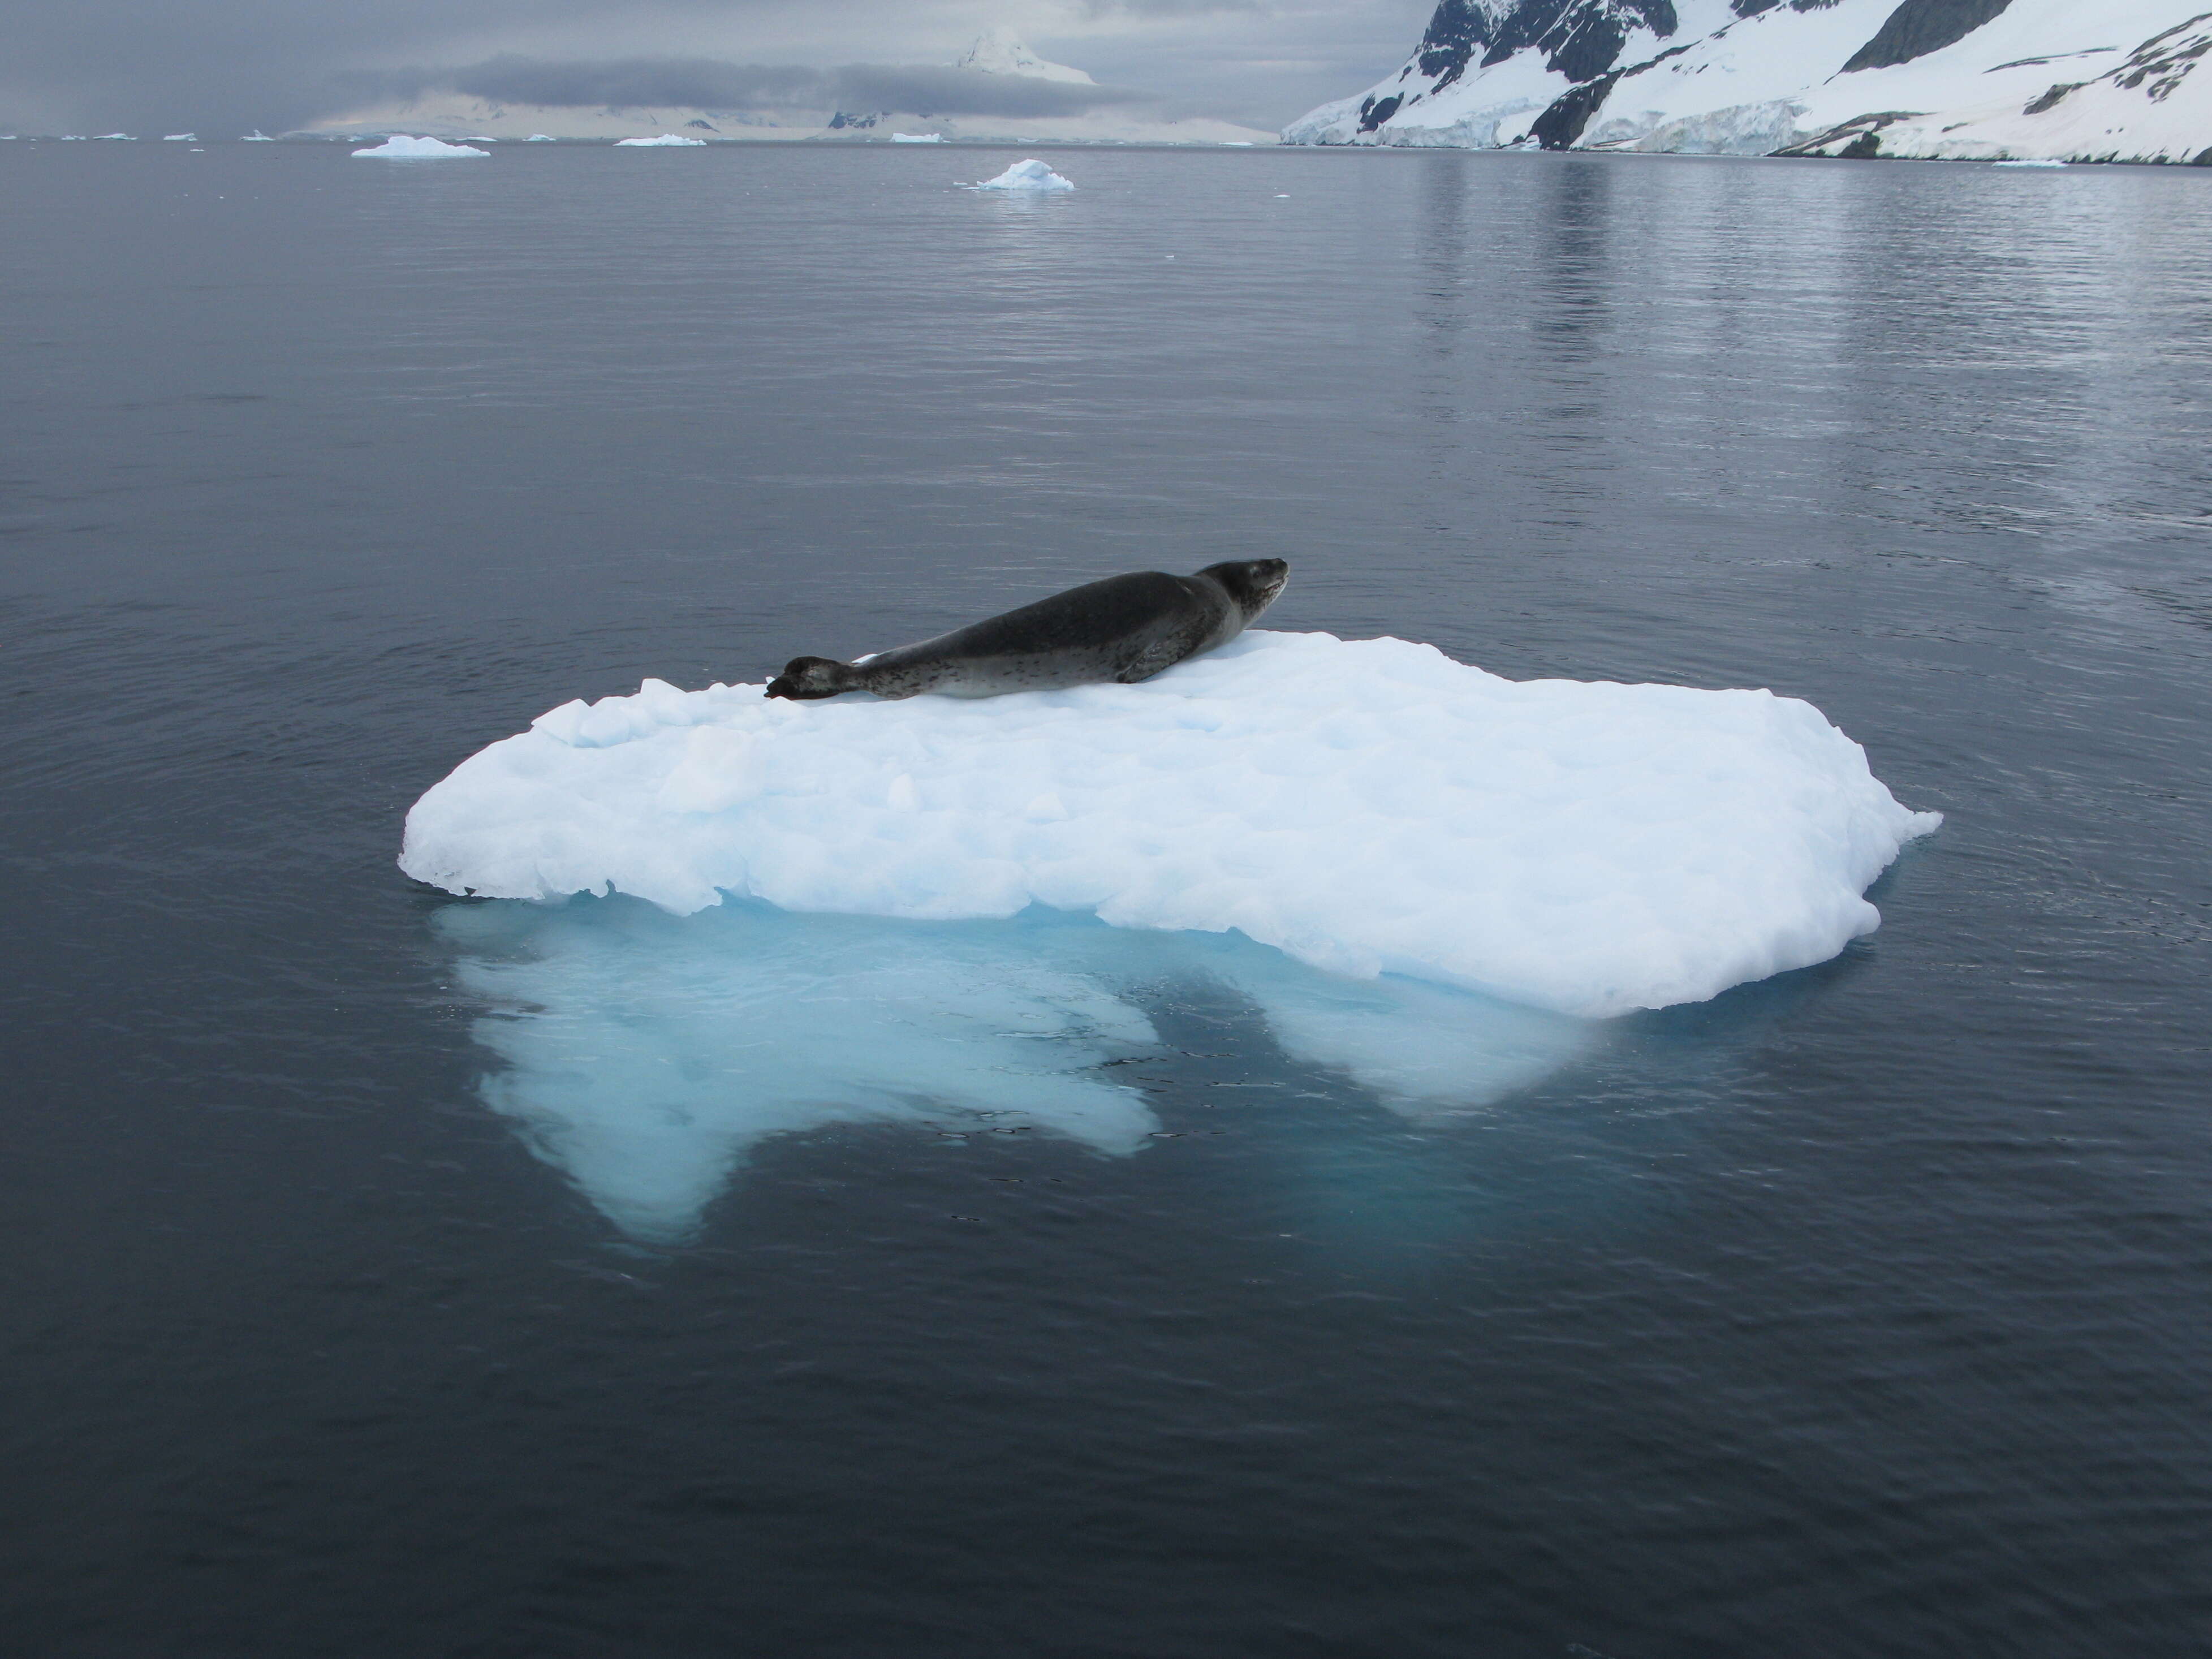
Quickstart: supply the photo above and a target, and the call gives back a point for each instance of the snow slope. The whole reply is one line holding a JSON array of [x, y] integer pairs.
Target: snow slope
[[1364, 807], [1988, 80]]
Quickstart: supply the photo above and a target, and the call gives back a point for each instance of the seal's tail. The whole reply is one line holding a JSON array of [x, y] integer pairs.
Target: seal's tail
[[805, 678]]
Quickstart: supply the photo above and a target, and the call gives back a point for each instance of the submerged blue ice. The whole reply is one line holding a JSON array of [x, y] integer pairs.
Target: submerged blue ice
[[644, 1054]]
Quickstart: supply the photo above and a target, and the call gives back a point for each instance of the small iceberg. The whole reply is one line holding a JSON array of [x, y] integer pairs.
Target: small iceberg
[[257, 136], [917, 138], [111, 137], [1363, 806], [180, 137], [400, 147], [2029, 163], [665, 141], [539, 139], [1027, 176]]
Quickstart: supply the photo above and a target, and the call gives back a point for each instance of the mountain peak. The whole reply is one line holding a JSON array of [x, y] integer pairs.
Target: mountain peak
[[996, 51]]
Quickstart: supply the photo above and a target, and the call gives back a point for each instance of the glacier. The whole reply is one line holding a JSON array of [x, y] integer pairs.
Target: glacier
[[1364, 807], [1971, 79]]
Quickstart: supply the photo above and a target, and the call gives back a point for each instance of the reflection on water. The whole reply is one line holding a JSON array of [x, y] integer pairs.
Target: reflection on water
[[646, 1054]]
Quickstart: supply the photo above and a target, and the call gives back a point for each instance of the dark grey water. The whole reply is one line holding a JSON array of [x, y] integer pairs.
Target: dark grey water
[[357, 1303]]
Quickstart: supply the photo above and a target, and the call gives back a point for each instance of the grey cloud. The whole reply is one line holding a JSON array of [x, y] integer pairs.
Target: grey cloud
[[1168, 8], [930, 91], [631, 83], [223, 65], [705, 82], [145, 64]]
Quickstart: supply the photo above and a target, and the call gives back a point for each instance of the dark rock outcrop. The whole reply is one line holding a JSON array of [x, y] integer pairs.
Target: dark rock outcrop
[[1920, 26]]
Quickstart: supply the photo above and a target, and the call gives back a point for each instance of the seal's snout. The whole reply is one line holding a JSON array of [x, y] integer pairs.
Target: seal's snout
[[805, 679]]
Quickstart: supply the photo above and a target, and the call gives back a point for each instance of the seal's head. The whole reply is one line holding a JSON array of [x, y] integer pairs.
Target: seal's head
[[805, 678], [1252, 583]]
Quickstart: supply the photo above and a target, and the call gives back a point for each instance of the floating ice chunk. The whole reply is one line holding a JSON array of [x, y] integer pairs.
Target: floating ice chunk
[[539, 139], [257, 136], [664, 141], [1026, 175], [179, 137], [917, 138], [400, 147], [109, 138], [1367, 807]]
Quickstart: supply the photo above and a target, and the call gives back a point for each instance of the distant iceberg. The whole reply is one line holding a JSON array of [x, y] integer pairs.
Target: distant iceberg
[[664, 141], [109, 138], [179, 137], [917, 138], [1365, 807], [400, 147], [540, 138], [257, 136], [1026, 175]]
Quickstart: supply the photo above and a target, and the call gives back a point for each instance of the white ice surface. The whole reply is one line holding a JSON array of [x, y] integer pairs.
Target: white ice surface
[[917, 138], [664, 141], [401, 147], [647, 1054], [1366, 807], [1032, 174]]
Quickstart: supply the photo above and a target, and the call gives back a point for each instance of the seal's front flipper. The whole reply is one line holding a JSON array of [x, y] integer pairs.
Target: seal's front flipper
[[1157, 656], [805, 679]]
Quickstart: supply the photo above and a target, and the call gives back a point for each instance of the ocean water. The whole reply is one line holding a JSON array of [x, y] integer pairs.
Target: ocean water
[[390, 1275]]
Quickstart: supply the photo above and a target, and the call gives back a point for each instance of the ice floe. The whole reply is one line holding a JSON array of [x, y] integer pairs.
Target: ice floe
[[1032, 174], [1365, 807], [917, 138], [401, 147], [664, 141]]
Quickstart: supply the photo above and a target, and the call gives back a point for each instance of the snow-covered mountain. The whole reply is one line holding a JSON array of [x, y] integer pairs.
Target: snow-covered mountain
[[997, 53], [1044, 102], [1984, 80]]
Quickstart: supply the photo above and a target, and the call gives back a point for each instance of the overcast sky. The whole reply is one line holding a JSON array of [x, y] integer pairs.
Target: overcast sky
[[162, 65]]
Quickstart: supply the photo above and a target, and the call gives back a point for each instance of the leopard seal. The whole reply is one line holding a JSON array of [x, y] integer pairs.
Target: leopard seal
[[1119, 630]]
